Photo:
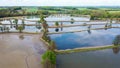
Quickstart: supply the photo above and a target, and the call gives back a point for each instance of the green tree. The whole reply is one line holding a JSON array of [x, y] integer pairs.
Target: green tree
[[16, 23], [20, 28], [49, 59], [43, 22], [56, 24]]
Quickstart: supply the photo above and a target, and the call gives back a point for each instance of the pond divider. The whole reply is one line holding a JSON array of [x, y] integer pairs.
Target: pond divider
[[81, 30], [7, 18], [79, 25], [19, 32], [85, 49], [24, 24]]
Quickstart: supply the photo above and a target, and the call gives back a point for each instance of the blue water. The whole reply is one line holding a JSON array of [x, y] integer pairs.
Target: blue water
[[85, 39]]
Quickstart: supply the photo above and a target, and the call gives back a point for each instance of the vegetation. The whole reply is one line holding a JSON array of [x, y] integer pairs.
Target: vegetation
[[56, 23], [4, 29], [43, 22], [16, 23], [84, 49], [116, 41], [95, 12], [20, 28], [49, 59]]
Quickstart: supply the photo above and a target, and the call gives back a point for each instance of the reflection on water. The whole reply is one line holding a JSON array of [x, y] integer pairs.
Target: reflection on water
[[117, 40], [93, 59], [21, 37], [89, 31], [85, 39], [23, 42], [57, 29], [116, 50]]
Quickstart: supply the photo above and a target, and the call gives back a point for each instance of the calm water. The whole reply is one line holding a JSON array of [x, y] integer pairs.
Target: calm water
[[85, 39], [35, 29], [109, 58]]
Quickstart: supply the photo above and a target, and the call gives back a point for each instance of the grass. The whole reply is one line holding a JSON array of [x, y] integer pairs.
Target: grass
[[84, 49], [114, 11], [31, 9], [47, 44]]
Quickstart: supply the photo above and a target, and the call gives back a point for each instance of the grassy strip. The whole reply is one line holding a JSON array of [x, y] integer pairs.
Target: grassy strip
[[22, 32], [49, 57], [47, 44], [81, 30], [84, 49]]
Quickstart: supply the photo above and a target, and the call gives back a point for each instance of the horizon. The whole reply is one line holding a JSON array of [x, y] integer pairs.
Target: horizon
[[60, 3]]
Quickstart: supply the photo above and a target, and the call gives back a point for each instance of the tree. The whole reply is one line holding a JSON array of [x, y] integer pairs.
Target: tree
[[72, 20], [49, 58], [56, 24], [98, 14], [23, 24], [20, 28], [16, 23], [43, 22]]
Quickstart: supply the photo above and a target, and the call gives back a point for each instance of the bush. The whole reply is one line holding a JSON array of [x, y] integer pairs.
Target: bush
[[49, 59], [56, 24], [117, 40], [20, 28]]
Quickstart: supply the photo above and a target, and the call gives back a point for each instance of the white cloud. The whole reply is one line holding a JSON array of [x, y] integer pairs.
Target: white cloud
[[59, 2]]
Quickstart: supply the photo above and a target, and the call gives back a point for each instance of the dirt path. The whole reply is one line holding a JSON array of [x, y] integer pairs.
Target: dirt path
[[21, 50]]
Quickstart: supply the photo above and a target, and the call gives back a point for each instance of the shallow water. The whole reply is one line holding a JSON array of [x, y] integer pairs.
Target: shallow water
[[20, 50]]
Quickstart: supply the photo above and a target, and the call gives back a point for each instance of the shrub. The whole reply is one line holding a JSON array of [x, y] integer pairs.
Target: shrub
[[49, 59], [20, 28], [56, 24], [117, 40]]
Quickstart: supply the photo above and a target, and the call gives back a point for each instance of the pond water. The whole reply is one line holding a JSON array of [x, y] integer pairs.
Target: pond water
[[85, 39], [109, 58], [35, 29]]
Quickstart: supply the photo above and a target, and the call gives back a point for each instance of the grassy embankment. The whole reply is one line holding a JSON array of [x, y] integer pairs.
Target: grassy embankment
[[85, 49]]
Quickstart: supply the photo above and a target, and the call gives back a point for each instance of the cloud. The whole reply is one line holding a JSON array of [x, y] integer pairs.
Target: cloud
[[59, 2]]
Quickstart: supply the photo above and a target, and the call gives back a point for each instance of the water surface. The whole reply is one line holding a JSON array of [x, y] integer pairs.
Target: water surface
[[109, 58]]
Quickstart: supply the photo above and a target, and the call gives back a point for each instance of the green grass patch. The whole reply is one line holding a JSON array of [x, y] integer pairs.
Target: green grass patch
[[84, 49]]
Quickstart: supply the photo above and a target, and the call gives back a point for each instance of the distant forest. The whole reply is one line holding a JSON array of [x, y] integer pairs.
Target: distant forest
[[96, 12]]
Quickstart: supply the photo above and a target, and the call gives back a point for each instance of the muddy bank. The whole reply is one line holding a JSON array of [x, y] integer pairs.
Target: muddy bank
[[21, 50]]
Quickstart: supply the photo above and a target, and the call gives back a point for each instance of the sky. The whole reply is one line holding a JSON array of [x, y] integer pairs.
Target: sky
[[59, 2]]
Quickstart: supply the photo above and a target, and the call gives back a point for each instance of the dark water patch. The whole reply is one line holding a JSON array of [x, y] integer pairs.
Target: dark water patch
[[95, 59]]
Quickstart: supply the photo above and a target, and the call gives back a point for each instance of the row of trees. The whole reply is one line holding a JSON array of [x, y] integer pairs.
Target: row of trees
[[49, 57], [95, 14], [18, 11]]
